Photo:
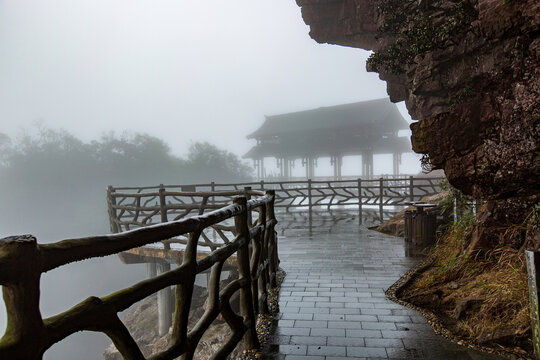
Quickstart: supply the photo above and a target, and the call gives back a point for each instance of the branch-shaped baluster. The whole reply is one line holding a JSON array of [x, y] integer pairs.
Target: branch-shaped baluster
[[211, 313], [183, 295], [219, 231], [271, 241], [235, 322], [207, 242]]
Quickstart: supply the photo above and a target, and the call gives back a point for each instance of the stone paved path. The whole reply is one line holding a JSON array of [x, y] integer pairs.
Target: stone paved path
[[332, 303]]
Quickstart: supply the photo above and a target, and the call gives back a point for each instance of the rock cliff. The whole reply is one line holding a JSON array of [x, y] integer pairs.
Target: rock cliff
[[468, 71]]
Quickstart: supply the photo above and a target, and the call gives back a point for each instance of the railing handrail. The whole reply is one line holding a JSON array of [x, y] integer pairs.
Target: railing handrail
[[22, 260], [382, 192], [258, 183]]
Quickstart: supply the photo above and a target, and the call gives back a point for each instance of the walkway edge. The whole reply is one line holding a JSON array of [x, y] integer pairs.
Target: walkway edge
[[266, 323], [433, 320]]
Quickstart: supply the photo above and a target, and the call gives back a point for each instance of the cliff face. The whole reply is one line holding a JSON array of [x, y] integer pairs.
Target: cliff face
[[468, 70]]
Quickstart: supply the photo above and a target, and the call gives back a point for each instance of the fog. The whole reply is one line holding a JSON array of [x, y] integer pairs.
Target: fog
[[180, 71]]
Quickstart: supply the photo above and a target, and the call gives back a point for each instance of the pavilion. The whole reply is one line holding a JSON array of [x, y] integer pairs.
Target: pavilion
[[363, 128]]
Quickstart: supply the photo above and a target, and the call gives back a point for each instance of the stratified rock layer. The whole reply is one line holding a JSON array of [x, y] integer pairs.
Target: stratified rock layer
[[476, 92]]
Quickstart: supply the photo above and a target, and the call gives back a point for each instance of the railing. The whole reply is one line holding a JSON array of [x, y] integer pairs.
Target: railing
[[23, 260], [304, 194]]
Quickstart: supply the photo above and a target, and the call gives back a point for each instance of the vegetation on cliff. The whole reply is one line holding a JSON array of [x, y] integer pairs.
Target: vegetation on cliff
[[479, 293], [417, 30]]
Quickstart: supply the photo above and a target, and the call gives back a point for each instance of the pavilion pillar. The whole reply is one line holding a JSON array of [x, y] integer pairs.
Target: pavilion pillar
[[396, 163], [311, 167], [334, 164], [291, 166], [367, 164], [279, 163], [257, 164], [286, 169], [309, 163], [339, 159]]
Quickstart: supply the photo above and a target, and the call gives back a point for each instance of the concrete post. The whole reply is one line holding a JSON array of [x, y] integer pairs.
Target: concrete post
[[396, 162], [339, 159], [151, 270], [533, 267], [165, 302], [360, 201], [381, 199]]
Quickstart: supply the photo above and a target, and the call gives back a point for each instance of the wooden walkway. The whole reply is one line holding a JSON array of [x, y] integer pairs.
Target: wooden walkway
[[332, 302]]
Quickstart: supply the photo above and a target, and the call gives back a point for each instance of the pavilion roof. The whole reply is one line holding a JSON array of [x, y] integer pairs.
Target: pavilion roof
[[380, 114]]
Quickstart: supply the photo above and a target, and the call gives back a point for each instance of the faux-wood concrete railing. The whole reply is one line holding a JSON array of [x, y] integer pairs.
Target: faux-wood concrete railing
[[23, 260], [308, 194]]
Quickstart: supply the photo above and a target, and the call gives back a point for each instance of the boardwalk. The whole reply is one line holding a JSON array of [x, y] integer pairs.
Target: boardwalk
[[333, 305]]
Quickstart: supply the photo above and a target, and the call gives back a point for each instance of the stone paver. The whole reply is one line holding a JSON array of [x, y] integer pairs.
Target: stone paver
[[332, 303]]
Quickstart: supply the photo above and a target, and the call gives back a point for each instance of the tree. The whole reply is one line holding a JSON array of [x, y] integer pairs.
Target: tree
[[207, 161], [54, 182], [5, 148]]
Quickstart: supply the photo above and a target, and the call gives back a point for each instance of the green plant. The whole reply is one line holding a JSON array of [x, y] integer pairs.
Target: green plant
[[536, 217], [416, 31], [456, 200]]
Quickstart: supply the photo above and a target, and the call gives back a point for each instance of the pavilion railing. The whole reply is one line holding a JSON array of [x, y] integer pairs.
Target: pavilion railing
[[23, 260], [303, 194]]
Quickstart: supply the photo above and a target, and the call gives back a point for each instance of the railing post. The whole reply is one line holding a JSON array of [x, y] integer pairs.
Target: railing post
[[262, 281], [411, 188], [213, 189], [247, 194], [360, 201], [533, 266], [163, 210], [246, 297], [162, 204], [310, 202], [19, 278], [262, 184], [111, 203], [272, 243], [164, 301], [381, 193]]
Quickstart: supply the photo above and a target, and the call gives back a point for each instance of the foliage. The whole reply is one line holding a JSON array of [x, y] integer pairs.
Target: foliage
[[49, 176], [5, 147], [483, 291], [535, 215], [455, 199], [417, 30], [207, 159], [495, 278]]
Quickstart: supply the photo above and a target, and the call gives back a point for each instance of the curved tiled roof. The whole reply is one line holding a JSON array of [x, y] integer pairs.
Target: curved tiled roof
[[381, 114]]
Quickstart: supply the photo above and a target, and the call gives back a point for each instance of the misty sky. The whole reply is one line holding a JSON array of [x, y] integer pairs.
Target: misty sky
[[181, 70]]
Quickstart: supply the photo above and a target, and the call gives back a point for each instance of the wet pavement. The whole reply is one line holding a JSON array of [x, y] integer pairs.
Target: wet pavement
[[332, 302]]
